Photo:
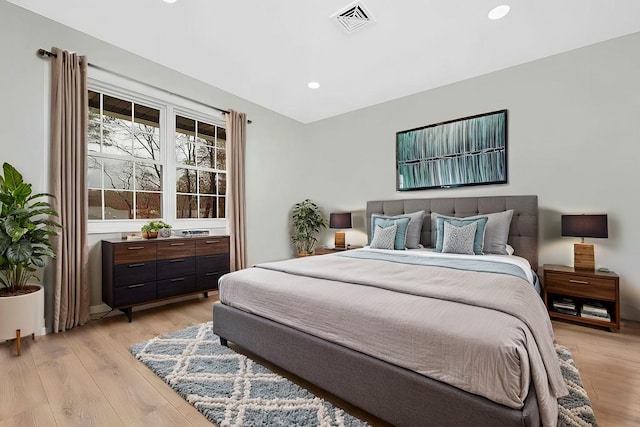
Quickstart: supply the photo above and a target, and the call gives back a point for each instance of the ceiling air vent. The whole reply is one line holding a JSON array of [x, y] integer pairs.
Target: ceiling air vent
[[353, 17]]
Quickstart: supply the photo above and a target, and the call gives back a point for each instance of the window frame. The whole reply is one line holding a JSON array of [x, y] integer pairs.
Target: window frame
[[169, 105]]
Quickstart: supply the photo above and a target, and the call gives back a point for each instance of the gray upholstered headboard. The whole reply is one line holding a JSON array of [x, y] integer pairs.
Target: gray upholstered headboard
[[523, 235]]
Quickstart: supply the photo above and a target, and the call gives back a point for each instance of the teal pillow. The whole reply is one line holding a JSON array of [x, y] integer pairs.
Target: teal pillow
[[384, 222], [478, 242]]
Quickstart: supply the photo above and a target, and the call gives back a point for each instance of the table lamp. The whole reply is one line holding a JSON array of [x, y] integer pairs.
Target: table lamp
[[341, 221], [584, 226]]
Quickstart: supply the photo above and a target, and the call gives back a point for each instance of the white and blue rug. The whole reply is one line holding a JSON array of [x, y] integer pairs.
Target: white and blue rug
[[231, 390]]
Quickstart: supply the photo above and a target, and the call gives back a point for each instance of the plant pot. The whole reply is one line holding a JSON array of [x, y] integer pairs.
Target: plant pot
[[303, 254], [22, 312], [150, 234], [165, 232]]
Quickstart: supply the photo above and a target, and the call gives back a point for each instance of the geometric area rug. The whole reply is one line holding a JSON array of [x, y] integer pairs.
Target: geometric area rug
[[230, 389]]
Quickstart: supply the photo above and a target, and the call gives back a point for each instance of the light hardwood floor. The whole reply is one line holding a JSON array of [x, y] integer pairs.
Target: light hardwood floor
[[87, 376]]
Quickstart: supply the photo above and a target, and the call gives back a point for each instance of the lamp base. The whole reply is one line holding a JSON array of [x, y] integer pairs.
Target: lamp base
[[340, 241], [583, 258]]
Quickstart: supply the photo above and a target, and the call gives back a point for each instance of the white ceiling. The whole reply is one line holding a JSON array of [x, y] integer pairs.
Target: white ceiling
[[267, 51]]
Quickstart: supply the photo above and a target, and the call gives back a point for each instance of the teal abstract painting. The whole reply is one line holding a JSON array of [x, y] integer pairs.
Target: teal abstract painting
[[467, 151]]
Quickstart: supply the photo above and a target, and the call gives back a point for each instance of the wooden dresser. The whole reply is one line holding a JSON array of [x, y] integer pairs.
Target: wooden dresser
[[138, 272]]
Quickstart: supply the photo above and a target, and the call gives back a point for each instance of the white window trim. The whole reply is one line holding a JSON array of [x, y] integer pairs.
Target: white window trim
[[105, 82]]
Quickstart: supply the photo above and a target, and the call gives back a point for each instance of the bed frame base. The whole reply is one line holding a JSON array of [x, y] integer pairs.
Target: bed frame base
[[396, 395]]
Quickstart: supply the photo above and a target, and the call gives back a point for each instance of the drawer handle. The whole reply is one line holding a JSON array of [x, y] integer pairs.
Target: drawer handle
[[136, 265], [177, 244], [177, 280], [579, 282], [135, 248], [135, 286], [210, 274], [208, 242], [176, 260]]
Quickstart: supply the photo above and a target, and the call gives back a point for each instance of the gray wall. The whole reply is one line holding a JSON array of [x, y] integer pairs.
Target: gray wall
[[24, 125], [573, 141]]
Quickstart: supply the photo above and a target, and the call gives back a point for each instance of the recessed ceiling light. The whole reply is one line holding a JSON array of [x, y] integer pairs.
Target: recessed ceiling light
[[169, 1], [499, 12], [313, 85]]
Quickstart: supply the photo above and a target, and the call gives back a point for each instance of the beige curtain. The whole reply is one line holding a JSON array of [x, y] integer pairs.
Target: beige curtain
[[236, 206], [69, 115]]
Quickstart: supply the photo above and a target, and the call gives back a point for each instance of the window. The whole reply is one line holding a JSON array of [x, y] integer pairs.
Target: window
[[201, 178], [150, 158], [124, 162]]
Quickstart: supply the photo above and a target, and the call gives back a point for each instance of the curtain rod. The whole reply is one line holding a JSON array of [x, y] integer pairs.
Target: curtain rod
[[45, 53]]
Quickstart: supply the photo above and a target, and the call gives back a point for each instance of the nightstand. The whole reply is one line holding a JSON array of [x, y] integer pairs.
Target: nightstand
[[325, 251], [566, 286]]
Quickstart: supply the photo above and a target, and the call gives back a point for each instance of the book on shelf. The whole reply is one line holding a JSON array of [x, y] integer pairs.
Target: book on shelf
[[565, 311], [606, 318], [597, 309], [564, 303]]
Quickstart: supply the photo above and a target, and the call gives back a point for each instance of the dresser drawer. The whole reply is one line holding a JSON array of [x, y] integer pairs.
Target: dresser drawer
[[212, 246], [580, 286], [212, 264], [177, 249], [134, 294], [176, 286], [178, 267], [208, 281], [133, 252], [136, 272]]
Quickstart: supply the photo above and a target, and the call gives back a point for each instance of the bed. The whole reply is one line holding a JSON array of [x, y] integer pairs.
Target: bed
[[373, 368]]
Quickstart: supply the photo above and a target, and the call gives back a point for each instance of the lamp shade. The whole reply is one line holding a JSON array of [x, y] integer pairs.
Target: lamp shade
[[585, 226], [340, 220]]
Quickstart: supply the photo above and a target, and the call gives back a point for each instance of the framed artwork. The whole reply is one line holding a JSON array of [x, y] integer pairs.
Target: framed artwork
[[456, 153]]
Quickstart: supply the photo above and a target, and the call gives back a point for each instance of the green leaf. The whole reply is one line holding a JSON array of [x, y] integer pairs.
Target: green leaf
[[13, 228], [21, 192], [19, 252], [12, 178]]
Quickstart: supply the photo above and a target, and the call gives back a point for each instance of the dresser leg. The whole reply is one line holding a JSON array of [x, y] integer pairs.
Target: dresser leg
[[129, 312]]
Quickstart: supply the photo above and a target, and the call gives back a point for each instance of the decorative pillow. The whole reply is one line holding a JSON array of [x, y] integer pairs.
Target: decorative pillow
[[510, 250], [384, 221], [414, 229], [496, 231], [384, 238], [459, 240], [478, 242]]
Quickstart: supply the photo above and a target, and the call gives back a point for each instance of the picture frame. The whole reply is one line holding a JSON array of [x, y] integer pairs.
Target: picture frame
[[456, 153]]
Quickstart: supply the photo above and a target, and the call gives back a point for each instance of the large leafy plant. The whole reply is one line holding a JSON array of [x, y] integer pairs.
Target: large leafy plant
[[25, 229], [307, 220]]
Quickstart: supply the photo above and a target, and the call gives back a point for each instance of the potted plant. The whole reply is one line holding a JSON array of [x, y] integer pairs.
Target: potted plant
[[150, 230], [25, 229], [307, 220]]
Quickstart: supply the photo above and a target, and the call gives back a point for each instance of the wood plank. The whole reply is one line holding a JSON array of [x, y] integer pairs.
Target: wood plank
[[38, 416]]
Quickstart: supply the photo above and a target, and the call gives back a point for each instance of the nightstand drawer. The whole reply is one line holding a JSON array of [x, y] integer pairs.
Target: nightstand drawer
[[578, 285]]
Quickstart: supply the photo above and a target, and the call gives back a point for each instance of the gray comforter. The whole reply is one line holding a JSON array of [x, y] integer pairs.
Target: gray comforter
[[486, 333]]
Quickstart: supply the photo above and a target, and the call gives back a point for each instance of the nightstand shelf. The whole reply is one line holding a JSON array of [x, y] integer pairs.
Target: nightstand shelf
[[582, 287]]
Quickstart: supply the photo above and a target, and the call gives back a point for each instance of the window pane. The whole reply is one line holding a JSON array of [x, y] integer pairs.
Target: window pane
[[221, 159], [95, 204], [221, 207], [148, 177], [118, 174], [186, 206], [206, 157], [185, 152], [186, 181], [94, 135], [148, 205], [94, 173], [207, 207], [206, 133], [186, 126], [221, 140], [146, 141], [207, 182], [118, 204], [117, 126], [222, 184]]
